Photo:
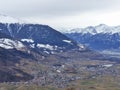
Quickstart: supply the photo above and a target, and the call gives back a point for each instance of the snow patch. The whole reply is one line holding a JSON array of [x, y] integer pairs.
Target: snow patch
[[58, 71], [81, 46], [10, 44], [46, 52], [32, 45], [27, 40], [108, 65], [47, 46], [67, 41]]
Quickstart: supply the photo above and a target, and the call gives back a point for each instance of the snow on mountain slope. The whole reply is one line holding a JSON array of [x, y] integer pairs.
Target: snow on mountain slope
[[10, 44], [84, 30], [67, 41], [40, 37], [35, 36], [46, 46], [101, 37], [27, 40], [9, 19], [102, 28]]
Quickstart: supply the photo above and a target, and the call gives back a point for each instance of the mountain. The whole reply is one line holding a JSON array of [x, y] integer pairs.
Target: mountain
[[9, 19], [24, 48], [35, 36], [102, 28], [38, 36], [101, 37], [35, 55]]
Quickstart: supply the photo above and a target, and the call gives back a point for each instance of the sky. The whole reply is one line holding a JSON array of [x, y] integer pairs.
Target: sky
[[64, 13]]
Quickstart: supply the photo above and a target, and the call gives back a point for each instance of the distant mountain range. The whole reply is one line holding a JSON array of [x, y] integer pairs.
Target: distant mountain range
[[101, 37]]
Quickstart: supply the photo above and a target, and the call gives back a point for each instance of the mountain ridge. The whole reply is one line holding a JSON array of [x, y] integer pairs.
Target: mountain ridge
[[100, 37], [101, 28], [10, 19]]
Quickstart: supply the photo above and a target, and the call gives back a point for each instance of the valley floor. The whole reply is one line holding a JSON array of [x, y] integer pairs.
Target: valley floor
[[72, 75]]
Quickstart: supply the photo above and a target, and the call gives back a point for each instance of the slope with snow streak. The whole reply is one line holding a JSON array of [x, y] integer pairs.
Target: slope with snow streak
[[8, 21]]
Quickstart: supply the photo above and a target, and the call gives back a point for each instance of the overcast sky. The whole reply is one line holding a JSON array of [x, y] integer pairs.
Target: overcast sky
[[64, 13]]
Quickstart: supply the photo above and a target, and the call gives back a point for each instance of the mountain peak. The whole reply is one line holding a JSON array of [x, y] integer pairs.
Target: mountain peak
[[9, 19], [101, 28]]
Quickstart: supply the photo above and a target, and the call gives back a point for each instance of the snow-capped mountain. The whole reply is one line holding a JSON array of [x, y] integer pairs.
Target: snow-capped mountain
[[102, 28], [35, 36], [99, 37], [9, 19]]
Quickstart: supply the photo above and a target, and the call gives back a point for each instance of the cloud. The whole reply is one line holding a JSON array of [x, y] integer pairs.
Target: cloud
[[53, 8], [62, 12]]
